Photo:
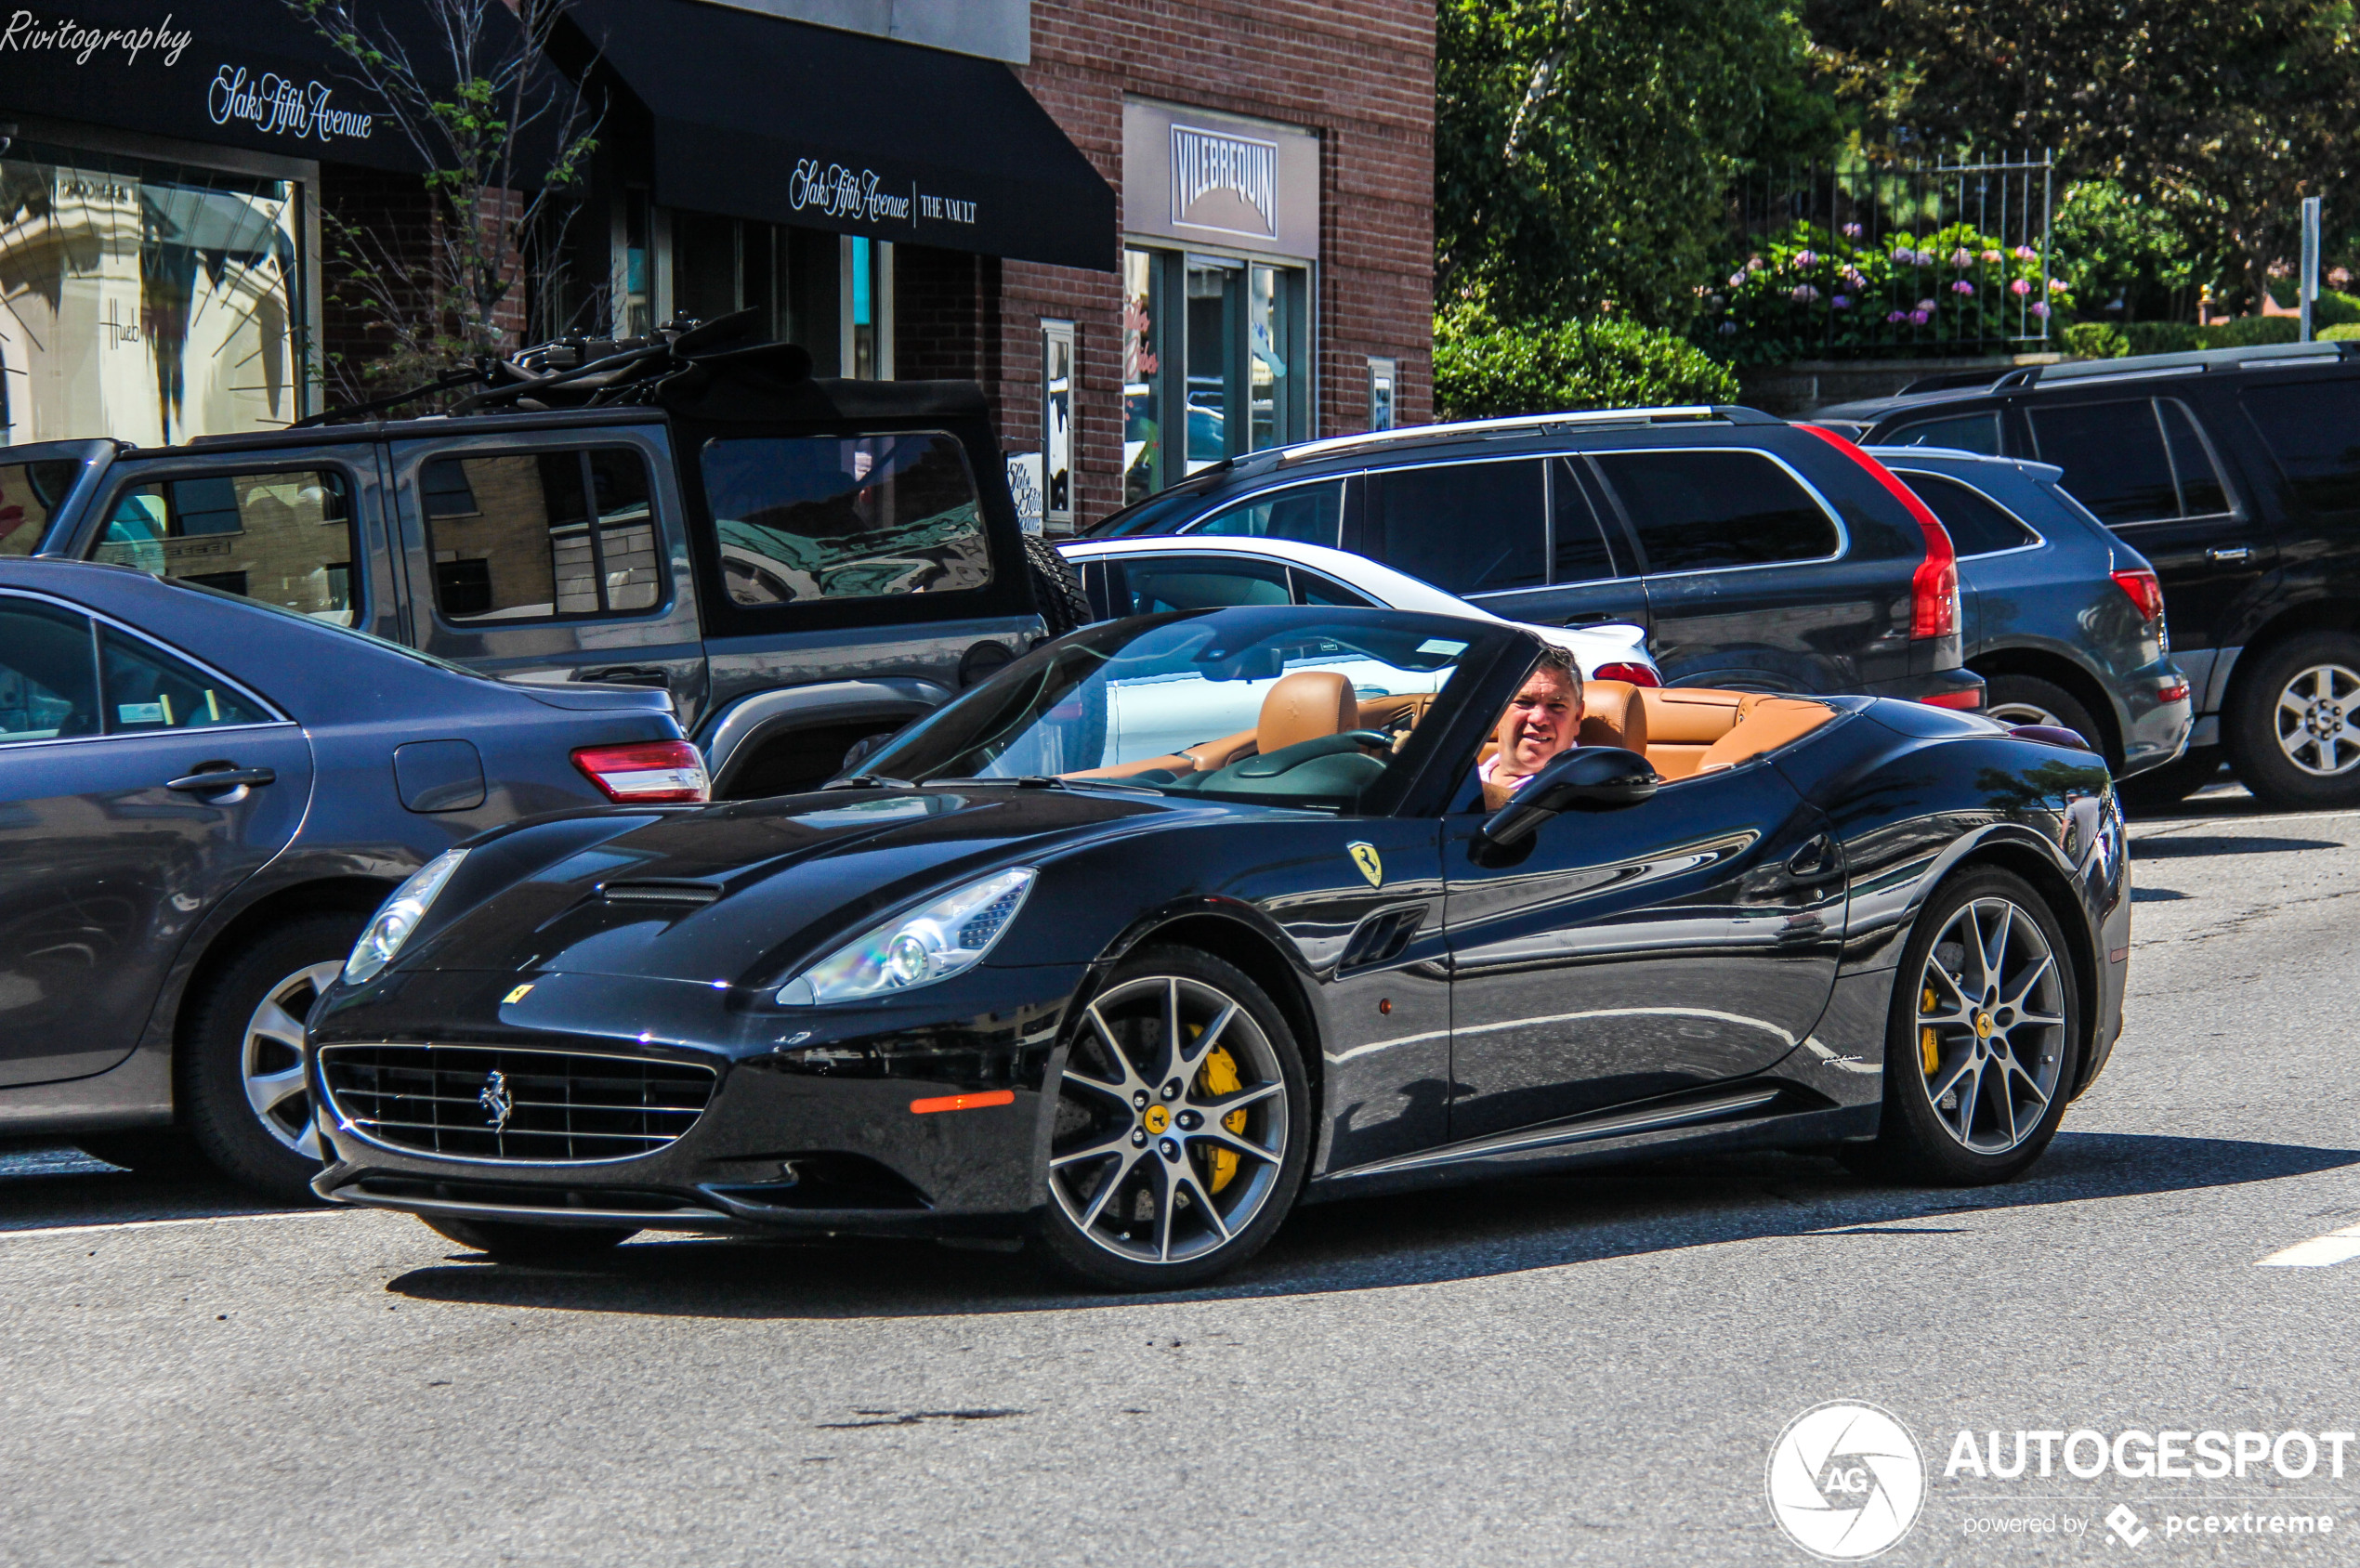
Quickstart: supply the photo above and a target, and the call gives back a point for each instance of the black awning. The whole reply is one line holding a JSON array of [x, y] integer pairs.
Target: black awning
[[782, 121], [243, 73]]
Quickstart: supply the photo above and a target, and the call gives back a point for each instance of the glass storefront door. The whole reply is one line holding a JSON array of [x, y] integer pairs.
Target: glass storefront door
[[147, 301], [1215, 362]]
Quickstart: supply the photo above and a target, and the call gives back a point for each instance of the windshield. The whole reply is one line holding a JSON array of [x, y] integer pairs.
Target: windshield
[[1292, 706]]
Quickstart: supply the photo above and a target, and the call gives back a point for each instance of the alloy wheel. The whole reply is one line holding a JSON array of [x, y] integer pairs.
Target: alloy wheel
[[2026, 714], [274, 1062], [2318, 720], [1171, 1121], [1990, 1025]]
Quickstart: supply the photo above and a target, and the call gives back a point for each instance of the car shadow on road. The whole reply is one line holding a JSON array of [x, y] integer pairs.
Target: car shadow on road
[[1498, 1228], [2177, 848], [48, 1186]]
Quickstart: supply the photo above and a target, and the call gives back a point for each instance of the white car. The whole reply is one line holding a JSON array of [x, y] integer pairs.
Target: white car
[[1151, 573]]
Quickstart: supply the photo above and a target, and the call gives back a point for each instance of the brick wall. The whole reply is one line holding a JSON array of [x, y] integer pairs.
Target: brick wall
[[397, 221], [1358, 72]]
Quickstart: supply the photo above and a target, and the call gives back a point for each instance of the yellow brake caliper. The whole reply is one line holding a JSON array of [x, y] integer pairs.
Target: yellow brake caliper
[[1219, 1076], [1928, 1050]]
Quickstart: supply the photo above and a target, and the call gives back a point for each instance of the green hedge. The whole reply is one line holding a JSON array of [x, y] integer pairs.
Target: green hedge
[[2342, 331], [1484, 370], [2103, 340]]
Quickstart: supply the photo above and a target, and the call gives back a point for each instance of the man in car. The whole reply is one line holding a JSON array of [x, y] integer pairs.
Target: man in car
[[1541, 720]]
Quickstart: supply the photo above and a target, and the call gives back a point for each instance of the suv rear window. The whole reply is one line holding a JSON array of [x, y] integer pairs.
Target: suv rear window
[[2132, 461], [1704, 511], [1977, 525], [1964, 432], [2309, 428], [811, 517], [283, 538], [29, 493]]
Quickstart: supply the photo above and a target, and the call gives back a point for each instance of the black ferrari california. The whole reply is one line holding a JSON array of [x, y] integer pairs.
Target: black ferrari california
[[1187, 918]]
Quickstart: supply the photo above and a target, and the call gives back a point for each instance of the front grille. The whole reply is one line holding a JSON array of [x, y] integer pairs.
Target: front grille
[[493, 1103]]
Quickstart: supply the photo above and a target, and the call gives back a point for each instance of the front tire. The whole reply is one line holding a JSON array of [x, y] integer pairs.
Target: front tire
[[2293, 726], [1183, 1127], [1984, 1038], [242, 1071], [509, 1242]]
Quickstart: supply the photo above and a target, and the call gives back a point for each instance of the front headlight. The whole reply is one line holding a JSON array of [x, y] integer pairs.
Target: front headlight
[[399, 917], [918, 948]]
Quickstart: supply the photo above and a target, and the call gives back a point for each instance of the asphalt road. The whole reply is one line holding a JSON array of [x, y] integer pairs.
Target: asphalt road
[[1549, 1371]]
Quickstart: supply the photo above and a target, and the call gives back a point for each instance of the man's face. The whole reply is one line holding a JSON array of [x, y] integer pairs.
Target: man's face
[[1540, 721]]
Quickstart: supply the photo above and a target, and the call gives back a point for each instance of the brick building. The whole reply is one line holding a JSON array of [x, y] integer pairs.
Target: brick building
[[1158, 231]]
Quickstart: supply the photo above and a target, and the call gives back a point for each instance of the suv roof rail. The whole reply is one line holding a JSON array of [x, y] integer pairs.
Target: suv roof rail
[[1534, 423], [2258, 356]]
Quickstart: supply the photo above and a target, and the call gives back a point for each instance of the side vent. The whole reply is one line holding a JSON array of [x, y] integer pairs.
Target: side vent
[[1382, 937], [658, 890]]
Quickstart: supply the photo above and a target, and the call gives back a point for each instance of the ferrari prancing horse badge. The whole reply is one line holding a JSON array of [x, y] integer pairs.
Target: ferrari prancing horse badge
[[1372, 867]]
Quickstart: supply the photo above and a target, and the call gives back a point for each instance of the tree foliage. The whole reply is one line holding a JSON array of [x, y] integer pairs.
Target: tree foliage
[[1482, 370], [1583, 148], [2226, 116]]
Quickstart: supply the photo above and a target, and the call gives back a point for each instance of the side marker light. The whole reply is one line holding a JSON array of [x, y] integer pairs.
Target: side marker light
[[964, 1102]]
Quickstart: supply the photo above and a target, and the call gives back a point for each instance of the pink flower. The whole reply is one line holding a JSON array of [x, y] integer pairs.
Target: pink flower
[[1962, 287], [1959, 257], [1738, 280], [1991, 256], [1805, 293], [1896, 316], [2339, 277], [1855, 277], [1926, 304], [2040, 308], [1919, 318], [2020, 288], [1839, 302], [1753, 264], [2025, 253], [2057, 285], [1851, 232], [1806, 260]]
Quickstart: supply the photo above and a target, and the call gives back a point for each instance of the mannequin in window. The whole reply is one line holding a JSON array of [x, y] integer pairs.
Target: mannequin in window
[[1542, 719]]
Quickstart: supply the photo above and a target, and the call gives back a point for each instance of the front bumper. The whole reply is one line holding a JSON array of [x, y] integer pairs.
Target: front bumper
[[808, 1127]]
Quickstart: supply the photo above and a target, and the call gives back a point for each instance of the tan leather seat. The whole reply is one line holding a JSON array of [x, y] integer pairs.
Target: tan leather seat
[[1769, 722], [1307, 705], [1683, 722], [1613, 715]]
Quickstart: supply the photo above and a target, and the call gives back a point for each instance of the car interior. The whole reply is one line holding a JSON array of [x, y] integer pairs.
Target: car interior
[[1312, 720]]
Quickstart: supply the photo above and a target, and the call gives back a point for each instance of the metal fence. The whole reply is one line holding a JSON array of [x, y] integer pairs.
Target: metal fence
[[1907, 259]]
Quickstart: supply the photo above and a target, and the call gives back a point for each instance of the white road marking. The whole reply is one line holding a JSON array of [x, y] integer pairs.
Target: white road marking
[[6, 1230], [2319, 1252]]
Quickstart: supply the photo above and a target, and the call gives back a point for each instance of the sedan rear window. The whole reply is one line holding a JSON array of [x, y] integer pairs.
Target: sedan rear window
[[1706, 511], [808, 517]]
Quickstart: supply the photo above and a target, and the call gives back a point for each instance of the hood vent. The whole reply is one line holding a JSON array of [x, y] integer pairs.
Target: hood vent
[[658, 890]]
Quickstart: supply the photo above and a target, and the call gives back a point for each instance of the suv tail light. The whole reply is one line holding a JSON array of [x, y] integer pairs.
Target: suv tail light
[[1934, 590], [2144, 589], [1637, 675], [646, 774]]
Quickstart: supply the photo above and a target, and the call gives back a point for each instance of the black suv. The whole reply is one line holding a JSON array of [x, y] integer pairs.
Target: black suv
[[1758, 554], [2237, 472], [801, 563]]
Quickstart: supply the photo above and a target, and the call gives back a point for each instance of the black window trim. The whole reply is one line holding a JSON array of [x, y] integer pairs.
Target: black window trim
[[478, 625], [98, 675], [2038, 539], [120, 479], [1229, 502], [1835, 519]]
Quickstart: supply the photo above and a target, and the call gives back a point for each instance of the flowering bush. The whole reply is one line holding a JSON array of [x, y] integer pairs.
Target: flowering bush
[[1808, 293]]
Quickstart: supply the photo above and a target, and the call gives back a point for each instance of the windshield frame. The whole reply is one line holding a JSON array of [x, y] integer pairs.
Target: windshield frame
[[1422, 768]]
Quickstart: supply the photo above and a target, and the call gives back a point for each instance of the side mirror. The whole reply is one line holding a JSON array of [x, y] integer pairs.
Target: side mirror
[[1586, 778]]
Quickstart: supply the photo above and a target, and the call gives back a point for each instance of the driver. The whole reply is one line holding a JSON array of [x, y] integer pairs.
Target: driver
[[1541, 720]]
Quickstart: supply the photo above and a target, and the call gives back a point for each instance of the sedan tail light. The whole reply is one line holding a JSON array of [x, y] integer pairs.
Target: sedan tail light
[[1969, 700], [1934, 589], [2144, 589], [1637, 675], [648, 773]]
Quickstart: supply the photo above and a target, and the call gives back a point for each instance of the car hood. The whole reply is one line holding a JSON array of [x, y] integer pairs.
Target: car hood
[[736, 895]]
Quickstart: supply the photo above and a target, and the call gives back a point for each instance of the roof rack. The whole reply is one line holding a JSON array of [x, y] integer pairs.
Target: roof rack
[[2194, 361], [1534, 423]]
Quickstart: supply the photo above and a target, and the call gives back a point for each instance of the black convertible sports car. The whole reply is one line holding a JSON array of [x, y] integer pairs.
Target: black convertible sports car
[[1185, 919]]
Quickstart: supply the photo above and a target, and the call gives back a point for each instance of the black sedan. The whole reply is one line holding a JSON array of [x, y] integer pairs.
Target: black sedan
[[203, 799], [1183, 919]]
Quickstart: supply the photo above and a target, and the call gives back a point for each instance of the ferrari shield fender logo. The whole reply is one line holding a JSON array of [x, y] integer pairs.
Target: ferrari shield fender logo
[[1371, 864]]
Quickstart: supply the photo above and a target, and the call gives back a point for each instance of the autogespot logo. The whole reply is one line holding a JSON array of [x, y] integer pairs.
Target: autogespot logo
[[1846, 1480]]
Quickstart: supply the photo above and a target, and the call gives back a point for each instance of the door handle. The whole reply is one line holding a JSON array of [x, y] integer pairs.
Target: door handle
[[2229, 553], [624, 674], [208, 780]]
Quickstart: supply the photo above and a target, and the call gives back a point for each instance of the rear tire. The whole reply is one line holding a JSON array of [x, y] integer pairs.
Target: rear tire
[[2292, 723], [509, 1242], [1977, 1083], [2027, 700], [1057, 588], [240, 1073]]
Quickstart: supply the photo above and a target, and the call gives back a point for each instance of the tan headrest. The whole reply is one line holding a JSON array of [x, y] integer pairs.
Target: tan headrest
[[1690, 715], [1306, 705], [1612, 714], [1769, 723]]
